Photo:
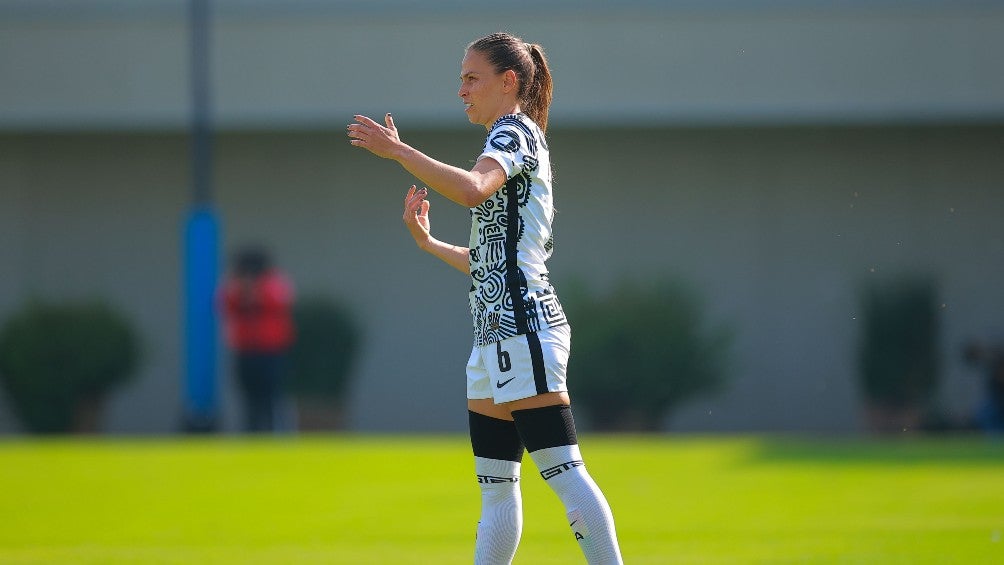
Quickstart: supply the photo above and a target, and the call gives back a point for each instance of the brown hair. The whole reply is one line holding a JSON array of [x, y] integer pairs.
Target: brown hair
[[505, 52]]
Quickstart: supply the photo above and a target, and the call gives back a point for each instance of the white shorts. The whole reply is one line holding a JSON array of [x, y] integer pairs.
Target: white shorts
[[521, 366]]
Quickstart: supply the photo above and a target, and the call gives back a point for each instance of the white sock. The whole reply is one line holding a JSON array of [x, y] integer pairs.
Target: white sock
[[588, 512], [501, 511]]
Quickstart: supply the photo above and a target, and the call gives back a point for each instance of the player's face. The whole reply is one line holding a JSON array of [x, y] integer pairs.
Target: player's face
[[482, 90]]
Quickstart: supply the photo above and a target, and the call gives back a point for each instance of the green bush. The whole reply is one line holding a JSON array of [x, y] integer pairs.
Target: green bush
[[326, 347], [53, 357], [641, 351], [899, 360]]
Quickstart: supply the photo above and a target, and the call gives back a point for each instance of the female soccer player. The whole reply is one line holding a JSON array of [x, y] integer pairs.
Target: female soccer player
[[517, 396]]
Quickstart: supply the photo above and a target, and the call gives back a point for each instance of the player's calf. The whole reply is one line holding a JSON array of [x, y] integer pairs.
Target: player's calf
[[549, 436], [497, 455]]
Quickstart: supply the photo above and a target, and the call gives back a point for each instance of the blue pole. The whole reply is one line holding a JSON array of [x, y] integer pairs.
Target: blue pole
[[201, 244], [201, 265]]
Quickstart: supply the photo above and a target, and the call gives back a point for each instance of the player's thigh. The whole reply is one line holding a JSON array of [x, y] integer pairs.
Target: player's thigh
[[487, 407]]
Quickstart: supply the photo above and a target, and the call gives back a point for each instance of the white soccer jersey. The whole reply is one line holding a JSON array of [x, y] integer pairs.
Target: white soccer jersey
[[511, 238]]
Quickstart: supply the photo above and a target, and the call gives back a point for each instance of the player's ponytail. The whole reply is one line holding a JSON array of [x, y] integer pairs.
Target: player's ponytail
[[505, 52], [537, 98]]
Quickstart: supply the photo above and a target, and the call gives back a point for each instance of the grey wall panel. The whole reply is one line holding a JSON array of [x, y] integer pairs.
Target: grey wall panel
[[295, 64], [779, 227]]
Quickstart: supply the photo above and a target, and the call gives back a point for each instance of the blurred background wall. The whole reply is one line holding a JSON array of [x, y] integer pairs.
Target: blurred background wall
[[778, 154]]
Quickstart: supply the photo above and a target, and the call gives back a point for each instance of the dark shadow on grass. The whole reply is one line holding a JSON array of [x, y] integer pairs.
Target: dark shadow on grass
[[968, 450]]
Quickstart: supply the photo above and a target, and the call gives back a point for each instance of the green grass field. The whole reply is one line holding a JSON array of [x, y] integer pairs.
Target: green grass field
[[413, 500]]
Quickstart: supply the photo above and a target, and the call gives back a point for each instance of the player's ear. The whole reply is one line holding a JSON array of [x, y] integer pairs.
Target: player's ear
[[509, 81]]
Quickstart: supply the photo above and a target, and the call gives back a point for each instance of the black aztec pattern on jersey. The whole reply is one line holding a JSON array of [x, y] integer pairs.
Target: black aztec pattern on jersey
[[503, 303], [500, 307], [499, 280]]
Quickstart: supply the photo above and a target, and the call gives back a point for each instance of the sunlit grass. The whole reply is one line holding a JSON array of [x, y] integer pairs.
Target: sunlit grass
[[413, 499]]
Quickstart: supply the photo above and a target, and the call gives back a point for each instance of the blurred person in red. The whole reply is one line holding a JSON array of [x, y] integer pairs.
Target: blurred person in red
[[257, 302]]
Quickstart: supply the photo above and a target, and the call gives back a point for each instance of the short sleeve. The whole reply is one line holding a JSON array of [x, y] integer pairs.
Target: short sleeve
[[506, 145]]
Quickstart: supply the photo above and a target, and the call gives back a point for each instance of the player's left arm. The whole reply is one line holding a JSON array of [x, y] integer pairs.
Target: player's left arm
[[416, 219], [467, 188]]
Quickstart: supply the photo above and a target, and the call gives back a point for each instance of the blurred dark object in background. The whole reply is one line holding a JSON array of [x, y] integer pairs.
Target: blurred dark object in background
[[899, 368], [60, 361], [990, 360], [643, 351], [322, 361]]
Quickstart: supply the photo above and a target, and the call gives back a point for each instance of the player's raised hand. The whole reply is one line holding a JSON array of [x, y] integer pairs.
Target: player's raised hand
[[416, 215], [380, 140]]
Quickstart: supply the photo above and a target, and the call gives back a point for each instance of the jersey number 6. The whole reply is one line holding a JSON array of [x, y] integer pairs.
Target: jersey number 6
[[503, 356]]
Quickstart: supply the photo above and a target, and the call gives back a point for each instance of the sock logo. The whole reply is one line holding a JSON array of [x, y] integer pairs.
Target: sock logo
[[578, 536], [580, 533], [559, 469], [488, 479]]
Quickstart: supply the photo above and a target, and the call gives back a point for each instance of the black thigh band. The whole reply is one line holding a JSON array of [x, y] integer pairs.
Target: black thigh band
[[492, 438], [545, 427]]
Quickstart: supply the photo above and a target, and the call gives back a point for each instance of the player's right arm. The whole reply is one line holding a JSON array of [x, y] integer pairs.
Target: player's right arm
[[416, 219], [467, 188]]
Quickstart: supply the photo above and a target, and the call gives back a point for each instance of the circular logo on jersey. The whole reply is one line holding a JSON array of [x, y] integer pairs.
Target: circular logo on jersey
[[505, 141]]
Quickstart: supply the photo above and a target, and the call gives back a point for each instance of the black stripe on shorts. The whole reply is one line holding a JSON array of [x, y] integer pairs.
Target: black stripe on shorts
[[537, 359]]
